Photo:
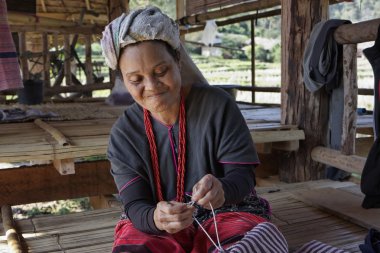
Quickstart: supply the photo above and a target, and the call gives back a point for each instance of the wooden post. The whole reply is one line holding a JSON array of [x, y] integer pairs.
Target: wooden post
[[46, 59], [350, 98], [13, 239], [116, 8], [88, 64], [24, 61], [67, 65], [300, 107], [180, 13], [253, 74]]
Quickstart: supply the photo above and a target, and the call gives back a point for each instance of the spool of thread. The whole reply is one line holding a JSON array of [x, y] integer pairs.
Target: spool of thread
[[361, 111]]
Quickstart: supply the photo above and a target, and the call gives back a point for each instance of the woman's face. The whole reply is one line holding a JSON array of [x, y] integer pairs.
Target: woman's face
[[151, 75]]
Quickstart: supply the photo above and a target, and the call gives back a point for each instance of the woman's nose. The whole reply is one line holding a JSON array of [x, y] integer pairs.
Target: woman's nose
[[151, 82]]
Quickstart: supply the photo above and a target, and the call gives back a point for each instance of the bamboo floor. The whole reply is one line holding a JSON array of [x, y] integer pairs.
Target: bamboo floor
[[297, 217]]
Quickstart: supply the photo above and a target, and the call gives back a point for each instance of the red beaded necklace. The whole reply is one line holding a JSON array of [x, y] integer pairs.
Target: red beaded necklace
[[181, 153]]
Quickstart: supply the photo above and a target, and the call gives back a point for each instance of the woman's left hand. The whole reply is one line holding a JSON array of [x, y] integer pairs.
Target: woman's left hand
[[208, 190]]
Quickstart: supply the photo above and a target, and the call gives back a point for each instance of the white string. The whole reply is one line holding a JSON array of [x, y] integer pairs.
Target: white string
[[219, 248], [216, 227]]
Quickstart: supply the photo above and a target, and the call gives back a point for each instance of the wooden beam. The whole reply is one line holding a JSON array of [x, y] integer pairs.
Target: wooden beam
[[13, 240], [298, 106], [43, 183], [334, 158], [350, 87], [22, 18], [235, 20], [276, 136], [225, 12], [357, 33], [100, 19], [86, 29]]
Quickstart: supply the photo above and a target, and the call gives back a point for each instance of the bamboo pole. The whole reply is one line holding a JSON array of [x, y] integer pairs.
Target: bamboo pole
[[334, 158], [357, 33], [55, 133], [13, 239]]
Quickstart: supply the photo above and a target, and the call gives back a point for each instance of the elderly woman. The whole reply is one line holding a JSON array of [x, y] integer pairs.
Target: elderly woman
[[181, 151]]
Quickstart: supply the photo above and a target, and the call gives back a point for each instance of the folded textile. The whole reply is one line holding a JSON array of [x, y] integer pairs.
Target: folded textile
[[371, 242], [10, 77], [17, 115], [319, 247]]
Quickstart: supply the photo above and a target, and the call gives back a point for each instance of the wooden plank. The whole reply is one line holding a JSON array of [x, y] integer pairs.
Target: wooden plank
[[343, 204], [44, 183], [275, 136], [349, 163]]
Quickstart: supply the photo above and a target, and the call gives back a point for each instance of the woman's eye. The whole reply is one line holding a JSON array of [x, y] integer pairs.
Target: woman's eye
[[161, 71], [134, 80]]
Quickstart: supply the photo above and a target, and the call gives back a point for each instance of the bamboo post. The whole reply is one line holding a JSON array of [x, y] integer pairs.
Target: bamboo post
[[350, 99], [253, 75], [24, 61], [67, 65], [11, 235]]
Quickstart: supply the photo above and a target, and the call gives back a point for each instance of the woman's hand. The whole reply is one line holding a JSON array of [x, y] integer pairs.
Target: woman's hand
[[172, 216], [208, 190]]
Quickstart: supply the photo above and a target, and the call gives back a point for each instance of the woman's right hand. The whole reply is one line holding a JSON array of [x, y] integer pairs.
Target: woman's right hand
[[172, 216]]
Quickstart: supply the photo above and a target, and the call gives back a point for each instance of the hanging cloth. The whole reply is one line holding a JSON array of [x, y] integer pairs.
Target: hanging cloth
[[370, 180], [10, 77], [322, 67]]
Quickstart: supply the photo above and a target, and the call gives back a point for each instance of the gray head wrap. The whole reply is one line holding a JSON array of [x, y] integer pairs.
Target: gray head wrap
[[138, 25]]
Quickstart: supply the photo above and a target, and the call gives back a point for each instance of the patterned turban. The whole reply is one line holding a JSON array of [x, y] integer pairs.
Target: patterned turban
[[139, 25]]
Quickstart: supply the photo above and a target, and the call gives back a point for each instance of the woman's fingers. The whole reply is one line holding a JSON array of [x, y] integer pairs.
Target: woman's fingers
[[173, 216], [208, 190]]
